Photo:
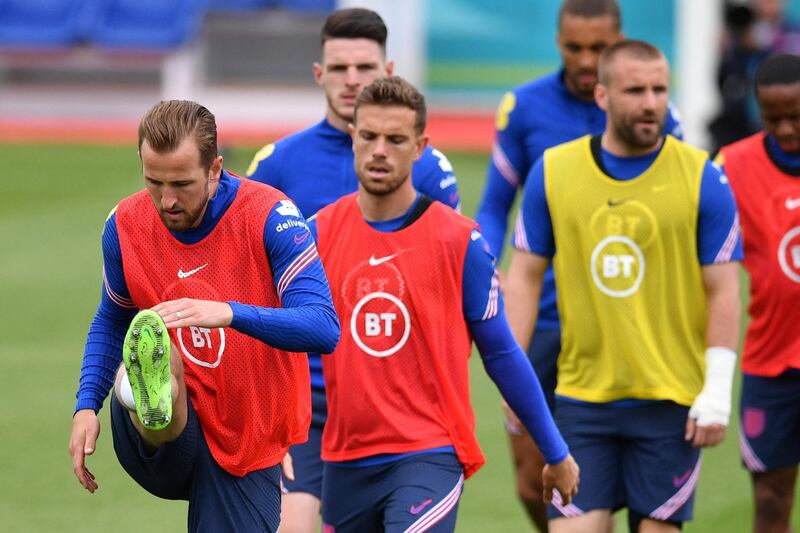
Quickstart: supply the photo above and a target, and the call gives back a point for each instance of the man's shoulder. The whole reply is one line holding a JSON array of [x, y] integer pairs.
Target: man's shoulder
[[299, 141], [287, 151], [130, 202], [454, 220], [433, 159], [542, 87], [687, 148], [569, 148], [530, 106], [258, 195], [748, 145], [334, 209]]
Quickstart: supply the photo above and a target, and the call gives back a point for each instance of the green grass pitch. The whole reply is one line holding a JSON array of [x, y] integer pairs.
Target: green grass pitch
[[53, 201]]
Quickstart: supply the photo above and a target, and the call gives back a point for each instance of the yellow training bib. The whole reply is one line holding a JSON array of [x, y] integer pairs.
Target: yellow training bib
[[630, 287]]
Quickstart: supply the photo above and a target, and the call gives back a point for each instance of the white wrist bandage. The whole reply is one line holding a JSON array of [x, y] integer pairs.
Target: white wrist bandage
[[713, 404]]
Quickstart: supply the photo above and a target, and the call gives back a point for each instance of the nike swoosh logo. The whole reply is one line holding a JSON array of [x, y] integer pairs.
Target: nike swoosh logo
[[416, 509], [373, 261], [792, 203], [615, 203], [300, 239], [677, 481], [660, 188], [182, 274]]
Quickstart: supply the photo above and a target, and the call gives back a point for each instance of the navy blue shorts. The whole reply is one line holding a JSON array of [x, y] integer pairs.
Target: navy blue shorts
[[769, 411], [633, 456], [418, 493], [306, 456], [185, 470], [543, 353]]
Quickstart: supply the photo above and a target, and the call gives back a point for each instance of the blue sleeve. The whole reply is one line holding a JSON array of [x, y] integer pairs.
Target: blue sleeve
[[495, 205], [103, 350], [481, 284], [508, 165], [719, 237], [436, 178], [672, 122], [307, 321], [511, 371], [312, 226], [264, 168], [534, 228]]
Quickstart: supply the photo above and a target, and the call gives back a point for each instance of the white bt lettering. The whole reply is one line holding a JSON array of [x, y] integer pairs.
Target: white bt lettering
[[614, 265], [201, 337], [372, 324]]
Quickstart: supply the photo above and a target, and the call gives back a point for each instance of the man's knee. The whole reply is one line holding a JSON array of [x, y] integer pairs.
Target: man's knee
[[773, 502]]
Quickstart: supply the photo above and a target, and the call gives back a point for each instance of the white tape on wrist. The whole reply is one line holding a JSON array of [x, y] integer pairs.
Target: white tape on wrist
[[713, 404]]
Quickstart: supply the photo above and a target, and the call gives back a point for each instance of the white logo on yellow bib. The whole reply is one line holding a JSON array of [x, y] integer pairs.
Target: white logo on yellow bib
[[617, 266]]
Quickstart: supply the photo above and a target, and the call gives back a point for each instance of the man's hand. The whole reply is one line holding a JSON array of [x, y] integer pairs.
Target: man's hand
[[82, 442], [711, 409], [287, 467], [564, 477], [188, 312], [703, 436]]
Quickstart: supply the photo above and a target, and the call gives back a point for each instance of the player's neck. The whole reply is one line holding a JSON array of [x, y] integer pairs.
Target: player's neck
[[612, 144], [376, 208], [337, 122], [583, 97]]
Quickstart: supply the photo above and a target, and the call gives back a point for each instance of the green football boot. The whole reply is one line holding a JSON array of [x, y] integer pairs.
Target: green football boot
[[146, 357]]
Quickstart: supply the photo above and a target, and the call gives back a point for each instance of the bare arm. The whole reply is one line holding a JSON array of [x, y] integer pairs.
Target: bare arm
[[724, 306], [522, 291], [709, 414]]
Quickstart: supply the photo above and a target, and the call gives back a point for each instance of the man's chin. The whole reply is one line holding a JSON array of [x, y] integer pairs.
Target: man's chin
[[174, 225]]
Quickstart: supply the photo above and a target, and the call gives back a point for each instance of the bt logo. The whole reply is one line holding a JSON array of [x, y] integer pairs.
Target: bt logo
[[380, 324], [617, 266]]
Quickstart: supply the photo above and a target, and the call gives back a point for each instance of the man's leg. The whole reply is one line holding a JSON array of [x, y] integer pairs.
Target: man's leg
[[774, 494], [300, 505], [660, 469], [424, 494], [591, 432], [300, 513], [166, 470], [528, 465], [527, 459], [770, 431], [351, 498]]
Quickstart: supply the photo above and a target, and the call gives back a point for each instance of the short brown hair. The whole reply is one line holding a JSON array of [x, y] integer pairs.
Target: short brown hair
[[354, 23], [591, 9], [394, 91], [169, 122], [631, 48]]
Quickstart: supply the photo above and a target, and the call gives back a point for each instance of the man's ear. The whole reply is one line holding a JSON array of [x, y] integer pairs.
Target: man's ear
[[601, 96]]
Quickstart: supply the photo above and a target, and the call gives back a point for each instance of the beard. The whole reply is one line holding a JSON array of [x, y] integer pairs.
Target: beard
[[629, 132], [584, 91], [383, 187], [188, 219]]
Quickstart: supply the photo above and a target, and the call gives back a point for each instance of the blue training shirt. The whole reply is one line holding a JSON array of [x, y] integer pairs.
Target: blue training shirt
[[314, 167], [306, 321], [504, 360], [532, 118]]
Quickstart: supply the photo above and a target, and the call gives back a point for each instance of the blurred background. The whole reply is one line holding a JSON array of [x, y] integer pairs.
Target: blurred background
[[76, 76], [83, 69]]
